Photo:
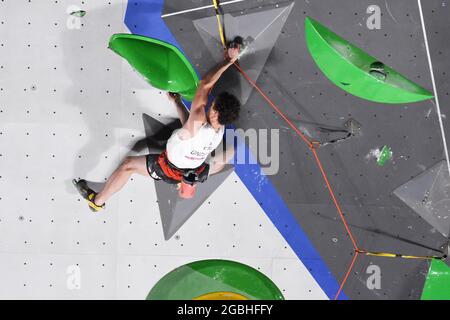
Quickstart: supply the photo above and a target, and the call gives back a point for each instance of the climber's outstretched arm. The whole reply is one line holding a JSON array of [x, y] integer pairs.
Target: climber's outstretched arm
[[197, 115]]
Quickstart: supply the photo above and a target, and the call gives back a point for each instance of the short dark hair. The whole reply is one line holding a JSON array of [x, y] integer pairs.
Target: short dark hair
[[228, 107]]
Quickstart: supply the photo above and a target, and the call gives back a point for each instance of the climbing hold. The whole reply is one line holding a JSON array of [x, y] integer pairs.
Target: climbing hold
[[221, 296], [356, 72], [322, 134], [244, 45], [385, 155], [215, 279], [79, 13], [238, 40], [353, 126], [437, 283], [161, 64], [377, 71]]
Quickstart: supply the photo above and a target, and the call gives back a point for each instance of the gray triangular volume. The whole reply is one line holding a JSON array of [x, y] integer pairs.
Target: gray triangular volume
[[429, 196], [158, 130], [157, 133], [260, 31], [175, 211]]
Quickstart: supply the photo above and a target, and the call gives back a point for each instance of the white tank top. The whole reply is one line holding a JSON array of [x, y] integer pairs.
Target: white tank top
[[191, 153]]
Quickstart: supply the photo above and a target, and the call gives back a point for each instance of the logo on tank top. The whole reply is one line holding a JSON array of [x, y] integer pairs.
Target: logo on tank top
[[199, 154], [209, 147]]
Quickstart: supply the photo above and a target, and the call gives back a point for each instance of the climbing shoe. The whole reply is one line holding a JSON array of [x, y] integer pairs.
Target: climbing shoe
[[88, 194]]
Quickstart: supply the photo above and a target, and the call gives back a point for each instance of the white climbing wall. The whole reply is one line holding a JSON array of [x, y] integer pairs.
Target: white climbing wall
[[70, 108]]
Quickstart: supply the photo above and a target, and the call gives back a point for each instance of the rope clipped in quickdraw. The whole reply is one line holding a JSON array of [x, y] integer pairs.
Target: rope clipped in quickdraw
[[401, 256]]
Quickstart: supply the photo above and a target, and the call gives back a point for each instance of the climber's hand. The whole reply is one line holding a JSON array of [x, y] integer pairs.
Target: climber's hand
[[174, 97], [232, 53]]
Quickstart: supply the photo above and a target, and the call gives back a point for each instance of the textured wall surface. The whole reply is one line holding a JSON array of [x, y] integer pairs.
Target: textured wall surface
[[379, 220], [71, 108]]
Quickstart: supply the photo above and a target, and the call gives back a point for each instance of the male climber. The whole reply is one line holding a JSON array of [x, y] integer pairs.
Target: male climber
[[185, 160]]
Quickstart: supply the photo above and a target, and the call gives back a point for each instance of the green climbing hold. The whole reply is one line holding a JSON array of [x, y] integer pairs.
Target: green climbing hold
[[214, 278], [377, 70], [355, 71], [437, 284], [79, 13], [161, 64], [385, 155]]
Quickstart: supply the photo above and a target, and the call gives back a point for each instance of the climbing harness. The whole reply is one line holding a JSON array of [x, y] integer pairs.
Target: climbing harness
[[173, 175]]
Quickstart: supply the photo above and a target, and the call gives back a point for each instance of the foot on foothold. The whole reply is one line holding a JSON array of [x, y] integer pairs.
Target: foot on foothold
[[88, 194]]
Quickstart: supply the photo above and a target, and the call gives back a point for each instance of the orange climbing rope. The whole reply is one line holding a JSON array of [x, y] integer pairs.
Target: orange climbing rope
[[312, 146], [319, 164]]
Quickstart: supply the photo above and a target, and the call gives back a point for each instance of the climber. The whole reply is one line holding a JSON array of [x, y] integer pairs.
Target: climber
[[186, 160]]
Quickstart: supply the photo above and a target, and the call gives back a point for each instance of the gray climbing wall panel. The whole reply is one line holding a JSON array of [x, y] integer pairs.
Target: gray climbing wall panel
[[379, 220], [429, 195]]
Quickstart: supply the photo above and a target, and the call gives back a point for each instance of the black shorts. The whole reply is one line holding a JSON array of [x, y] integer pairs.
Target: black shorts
[[155, 171]]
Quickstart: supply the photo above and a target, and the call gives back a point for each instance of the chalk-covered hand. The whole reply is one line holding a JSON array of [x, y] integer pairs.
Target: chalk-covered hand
[[232, 54]]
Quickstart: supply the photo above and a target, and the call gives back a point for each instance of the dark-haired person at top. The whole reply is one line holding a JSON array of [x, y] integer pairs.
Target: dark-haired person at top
[[184, 162]]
